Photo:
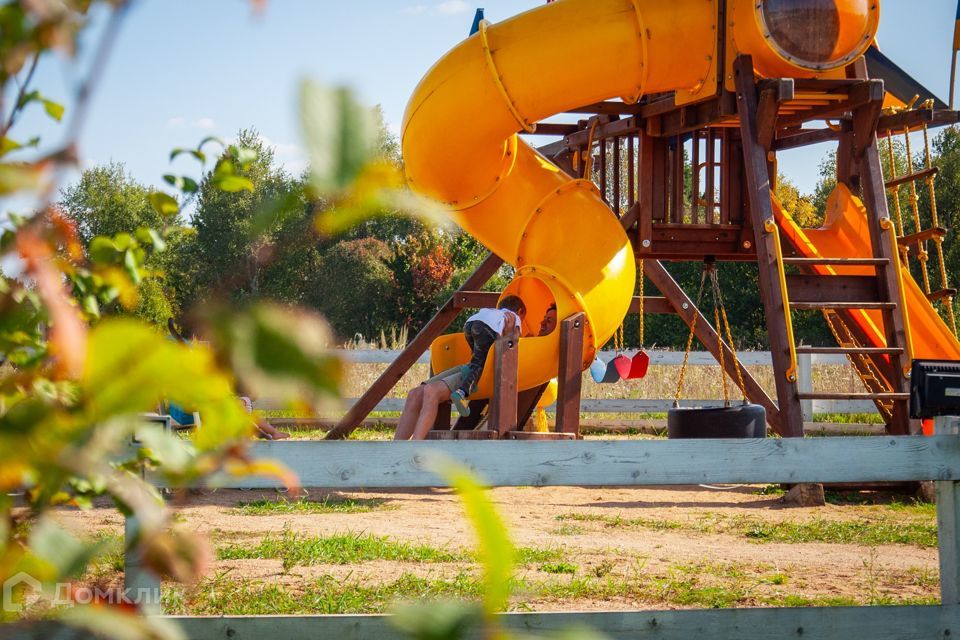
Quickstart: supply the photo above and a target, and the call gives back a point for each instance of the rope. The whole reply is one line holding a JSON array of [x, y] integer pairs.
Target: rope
[[895, 189], [693, 328], [922, 254], [937, 241]]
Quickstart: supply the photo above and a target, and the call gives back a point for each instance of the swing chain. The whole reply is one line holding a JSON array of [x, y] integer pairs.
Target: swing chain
[[719, 303], [642, 328], [693, 329]]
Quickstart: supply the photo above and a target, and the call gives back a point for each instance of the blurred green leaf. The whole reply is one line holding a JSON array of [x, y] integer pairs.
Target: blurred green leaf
[[16, 177], [277, 352], [233, 183], [496, 551], [196, 153], [54, 109], [69, 556], [102, 250], [174, 454], [164, 204], [340, 134], [443, 620]]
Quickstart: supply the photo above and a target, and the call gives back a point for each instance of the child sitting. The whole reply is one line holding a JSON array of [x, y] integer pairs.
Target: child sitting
[[481, 330]]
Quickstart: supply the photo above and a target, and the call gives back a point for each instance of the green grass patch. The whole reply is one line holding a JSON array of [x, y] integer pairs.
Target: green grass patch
[[329, 504], [568, 530], [327, 595], [884, 530], [619, 522], [848, 418], [558, 567], [534, 555], [295, 550], [859, 532]]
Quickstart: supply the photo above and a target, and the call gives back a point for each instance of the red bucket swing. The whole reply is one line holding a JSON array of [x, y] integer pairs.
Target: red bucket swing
[[641, 359]]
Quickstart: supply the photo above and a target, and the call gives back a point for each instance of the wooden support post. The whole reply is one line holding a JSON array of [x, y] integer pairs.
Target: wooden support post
[[948, 522], [389, 378], [687, 310], [761, 209], [570, 374], [875, 201], [646, 186], [444, 412], [503, 404], [805, 381], [140, 584]]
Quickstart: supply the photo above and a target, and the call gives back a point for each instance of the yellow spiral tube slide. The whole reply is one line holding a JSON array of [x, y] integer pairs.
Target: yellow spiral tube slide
[[460, 147]]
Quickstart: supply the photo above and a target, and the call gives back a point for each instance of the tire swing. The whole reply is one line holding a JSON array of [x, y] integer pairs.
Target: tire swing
[[743, 421]]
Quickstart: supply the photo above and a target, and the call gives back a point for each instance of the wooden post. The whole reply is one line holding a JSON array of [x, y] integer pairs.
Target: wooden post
[[948, 523], [570, 374], [761, 209], [875, 201], [389, 378], [687, 310], [503, 404], [805, 382], [141, 585]]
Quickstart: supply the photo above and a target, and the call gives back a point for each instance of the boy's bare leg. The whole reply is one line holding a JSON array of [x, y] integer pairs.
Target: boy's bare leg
[[270, 431], [433, 394], [408, 417]]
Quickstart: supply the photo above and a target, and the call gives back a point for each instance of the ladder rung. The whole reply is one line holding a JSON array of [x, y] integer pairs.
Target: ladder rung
[[843, 305], [867, 351], [940, 294], [814, 395], [923, 236], [911, 177], [850, 262]]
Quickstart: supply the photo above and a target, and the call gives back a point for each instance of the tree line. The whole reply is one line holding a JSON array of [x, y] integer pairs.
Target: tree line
[[387, 275]]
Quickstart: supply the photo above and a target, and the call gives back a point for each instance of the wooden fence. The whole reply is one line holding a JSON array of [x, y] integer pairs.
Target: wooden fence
[[354, 465], [806, 363]]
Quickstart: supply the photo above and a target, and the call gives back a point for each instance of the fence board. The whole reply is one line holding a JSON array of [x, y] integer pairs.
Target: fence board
[[664, 358], [623, 405], [828, 623], [361, 464]]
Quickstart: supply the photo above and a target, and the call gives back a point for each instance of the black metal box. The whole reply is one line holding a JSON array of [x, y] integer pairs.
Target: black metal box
[[935, 389]]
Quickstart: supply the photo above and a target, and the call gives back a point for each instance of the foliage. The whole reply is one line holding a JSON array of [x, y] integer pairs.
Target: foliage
[[353, 287], [800, 207]]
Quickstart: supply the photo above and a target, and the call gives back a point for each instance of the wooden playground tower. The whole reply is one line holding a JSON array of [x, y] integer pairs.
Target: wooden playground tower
[[733, 137]]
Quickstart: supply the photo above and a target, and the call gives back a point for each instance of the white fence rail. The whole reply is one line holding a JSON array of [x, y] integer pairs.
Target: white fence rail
[[632, 406]]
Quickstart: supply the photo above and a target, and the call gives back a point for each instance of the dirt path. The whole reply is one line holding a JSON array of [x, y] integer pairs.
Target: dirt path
[[668, 536]]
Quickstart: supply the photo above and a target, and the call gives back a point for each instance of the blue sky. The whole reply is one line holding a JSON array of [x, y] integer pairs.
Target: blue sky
[[185, 69]]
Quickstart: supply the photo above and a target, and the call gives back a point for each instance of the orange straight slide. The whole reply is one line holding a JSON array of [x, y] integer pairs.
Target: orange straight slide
[[845, 234]]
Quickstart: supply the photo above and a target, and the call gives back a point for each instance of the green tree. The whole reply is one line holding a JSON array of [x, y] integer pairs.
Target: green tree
[[107, 201], [236, 228], [353, 287]]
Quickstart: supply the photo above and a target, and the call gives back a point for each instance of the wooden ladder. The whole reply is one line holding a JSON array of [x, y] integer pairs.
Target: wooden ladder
[[837, 296]]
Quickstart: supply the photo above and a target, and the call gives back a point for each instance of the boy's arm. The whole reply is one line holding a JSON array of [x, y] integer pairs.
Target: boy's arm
[[509, 323]]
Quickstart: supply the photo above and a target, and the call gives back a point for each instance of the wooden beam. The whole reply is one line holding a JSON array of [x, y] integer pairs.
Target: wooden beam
[[823, 288], [687, 310], [475, 299], [503, 404], [420, 343], [804, 137], [761, 210], [368, 464], [570, 374]]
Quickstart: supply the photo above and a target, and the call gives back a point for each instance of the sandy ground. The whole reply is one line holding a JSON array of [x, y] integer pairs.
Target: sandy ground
[[435, 518]]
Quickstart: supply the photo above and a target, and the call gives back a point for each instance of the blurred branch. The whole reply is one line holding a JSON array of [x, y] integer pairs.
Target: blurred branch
[[18, 102]]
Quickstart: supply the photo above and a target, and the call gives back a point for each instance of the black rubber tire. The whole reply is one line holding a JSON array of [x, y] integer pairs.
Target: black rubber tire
[[741, 421]]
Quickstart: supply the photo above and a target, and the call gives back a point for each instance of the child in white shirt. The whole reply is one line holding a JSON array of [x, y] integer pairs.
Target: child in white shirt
[[481, 330]]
